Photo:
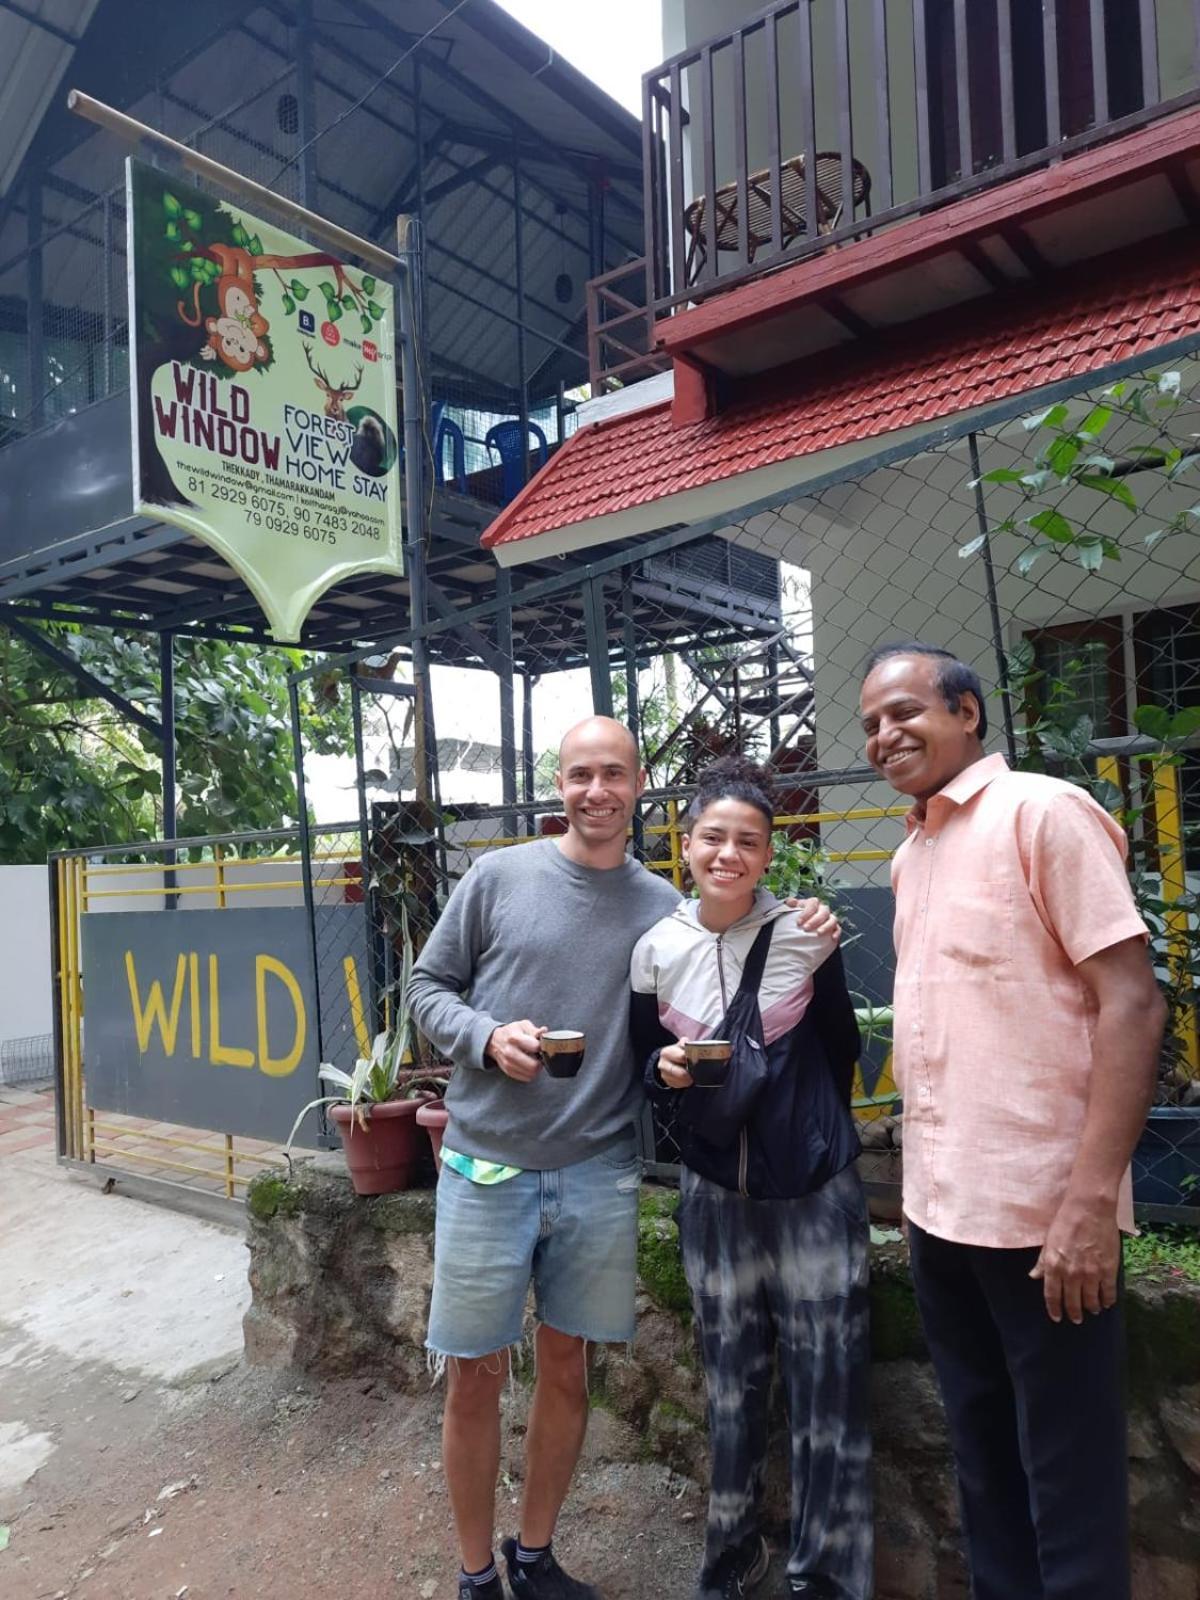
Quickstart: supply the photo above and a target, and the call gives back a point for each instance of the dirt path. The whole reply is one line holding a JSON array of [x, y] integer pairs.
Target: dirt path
[[242, 1485]]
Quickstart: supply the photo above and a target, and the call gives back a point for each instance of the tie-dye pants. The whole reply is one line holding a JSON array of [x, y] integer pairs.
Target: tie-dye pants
[[787, 1278]]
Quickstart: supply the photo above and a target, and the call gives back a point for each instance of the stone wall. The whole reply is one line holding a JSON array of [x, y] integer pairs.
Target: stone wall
[[340, 1284]]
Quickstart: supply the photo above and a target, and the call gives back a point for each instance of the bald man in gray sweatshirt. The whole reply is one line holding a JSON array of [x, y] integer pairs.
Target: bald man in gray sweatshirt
[[539, 1175]]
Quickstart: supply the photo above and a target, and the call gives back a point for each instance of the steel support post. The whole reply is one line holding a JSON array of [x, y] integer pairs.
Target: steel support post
[[596, 625], [1010, 734], [166, 689], [633, 714], [508, 732]]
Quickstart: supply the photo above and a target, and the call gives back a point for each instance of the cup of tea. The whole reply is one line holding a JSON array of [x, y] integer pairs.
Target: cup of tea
[[708, 1061], [562, 1051]]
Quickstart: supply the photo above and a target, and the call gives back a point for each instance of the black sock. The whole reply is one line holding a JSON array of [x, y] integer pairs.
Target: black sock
[[481, 1579], [527, 1554]]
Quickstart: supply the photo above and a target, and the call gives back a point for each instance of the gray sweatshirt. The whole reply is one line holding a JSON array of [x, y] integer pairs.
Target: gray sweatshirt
[[529, 933]]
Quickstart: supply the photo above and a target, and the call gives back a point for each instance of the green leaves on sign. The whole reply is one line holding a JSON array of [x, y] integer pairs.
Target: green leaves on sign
[[289, 305], [368, 284], [171, 205], [375, 311], [299, 290]]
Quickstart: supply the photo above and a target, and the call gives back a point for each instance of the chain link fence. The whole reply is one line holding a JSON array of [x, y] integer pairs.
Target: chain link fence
[[1057, 554]]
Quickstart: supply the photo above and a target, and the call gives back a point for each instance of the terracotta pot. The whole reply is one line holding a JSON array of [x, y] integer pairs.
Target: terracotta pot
[[433, 1117], [382, 1156]]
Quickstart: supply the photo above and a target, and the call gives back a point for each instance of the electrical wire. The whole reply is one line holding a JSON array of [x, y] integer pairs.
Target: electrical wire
[[363, 98]]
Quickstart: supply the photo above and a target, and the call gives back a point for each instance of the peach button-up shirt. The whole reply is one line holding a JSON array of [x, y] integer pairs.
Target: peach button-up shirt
[[1006, 883]]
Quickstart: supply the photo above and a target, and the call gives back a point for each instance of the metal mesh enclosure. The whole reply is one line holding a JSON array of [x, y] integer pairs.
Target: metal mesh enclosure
[[1057, 554]]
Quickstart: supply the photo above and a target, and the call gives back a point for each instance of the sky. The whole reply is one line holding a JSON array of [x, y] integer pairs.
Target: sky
[[612, 41]]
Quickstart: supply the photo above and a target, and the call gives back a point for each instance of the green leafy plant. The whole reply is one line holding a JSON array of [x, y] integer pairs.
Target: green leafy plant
[[1070, 456], [1163, 1254], [1058, 737], [383, 1075], [74, 771]]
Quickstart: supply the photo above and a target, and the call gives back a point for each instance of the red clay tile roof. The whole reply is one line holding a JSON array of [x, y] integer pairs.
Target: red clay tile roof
[[930, 370]]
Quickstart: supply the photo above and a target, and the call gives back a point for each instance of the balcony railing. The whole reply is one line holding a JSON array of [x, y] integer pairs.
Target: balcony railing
[[621, 328], [818, 121]]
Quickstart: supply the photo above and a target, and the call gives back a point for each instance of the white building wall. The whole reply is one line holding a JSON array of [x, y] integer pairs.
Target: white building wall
[[883, 557], [26, 1007]]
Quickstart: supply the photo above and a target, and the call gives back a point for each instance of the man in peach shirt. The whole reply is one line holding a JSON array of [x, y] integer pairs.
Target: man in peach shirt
[[1028, 1026]]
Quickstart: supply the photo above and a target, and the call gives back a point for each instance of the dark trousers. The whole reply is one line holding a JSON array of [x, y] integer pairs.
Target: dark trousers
[[1037, 1420], [786, 1279]]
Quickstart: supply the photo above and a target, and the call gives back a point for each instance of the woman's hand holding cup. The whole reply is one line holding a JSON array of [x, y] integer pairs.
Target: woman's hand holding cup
[[672, 1067]]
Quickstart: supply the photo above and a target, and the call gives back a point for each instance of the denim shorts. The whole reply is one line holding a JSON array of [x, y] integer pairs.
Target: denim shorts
[[571, 1232]]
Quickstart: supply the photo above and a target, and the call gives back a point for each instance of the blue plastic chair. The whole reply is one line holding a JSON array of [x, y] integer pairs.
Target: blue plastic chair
[[511, 446], [445, 431]]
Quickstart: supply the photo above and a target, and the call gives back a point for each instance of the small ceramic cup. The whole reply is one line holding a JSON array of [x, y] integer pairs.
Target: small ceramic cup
[[708, 1061], [562, 1052]]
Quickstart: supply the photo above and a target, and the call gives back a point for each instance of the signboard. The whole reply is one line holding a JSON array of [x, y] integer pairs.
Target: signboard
[[264, 396], [207, 1018]]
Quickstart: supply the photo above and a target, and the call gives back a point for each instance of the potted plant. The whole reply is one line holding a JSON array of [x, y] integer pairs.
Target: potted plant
[[376, 1107], [376, 1113], [433, 1117]]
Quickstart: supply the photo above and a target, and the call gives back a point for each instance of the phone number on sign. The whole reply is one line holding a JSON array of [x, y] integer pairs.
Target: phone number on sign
[[319, 527]]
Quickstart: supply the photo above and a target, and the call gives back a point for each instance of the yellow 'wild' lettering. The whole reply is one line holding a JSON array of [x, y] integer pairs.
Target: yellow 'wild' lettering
[[219, 1054], [278, 1066], [154, 1013], [354, 995], [194, 1004]]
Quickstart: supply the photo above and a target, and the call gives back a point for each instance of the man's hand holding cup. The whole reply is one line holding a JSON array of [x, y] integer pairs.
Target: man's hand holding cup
[[516, 1050]]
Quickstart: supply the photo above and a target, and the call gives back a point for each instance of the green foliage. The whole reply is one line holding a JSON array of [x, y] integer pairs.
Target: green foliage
[[1068, 457], [800, 868], [1057, 737], [74, 772], [654, 707], [384, 1074], [660, 1265], [1164, 1255]]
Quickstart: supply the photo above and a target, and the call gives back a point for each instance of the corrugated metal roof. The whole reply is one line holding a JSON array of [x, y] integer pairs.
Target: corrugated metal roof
[[481, 70], [35, 52]]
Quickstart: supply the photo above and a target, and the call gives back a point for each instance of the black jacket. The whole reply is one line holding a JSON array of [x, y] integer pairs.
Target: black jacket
[[798, 1133]]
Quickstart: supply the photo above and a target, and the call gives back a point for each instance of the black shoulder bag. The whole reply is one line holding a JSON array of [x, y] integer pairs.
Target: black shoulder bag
[[718, 1115]]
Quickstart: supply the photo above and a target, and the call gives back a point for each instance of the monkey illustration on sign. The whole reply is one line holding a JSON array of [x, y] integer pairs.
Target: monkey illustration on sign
[[235, 336]]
